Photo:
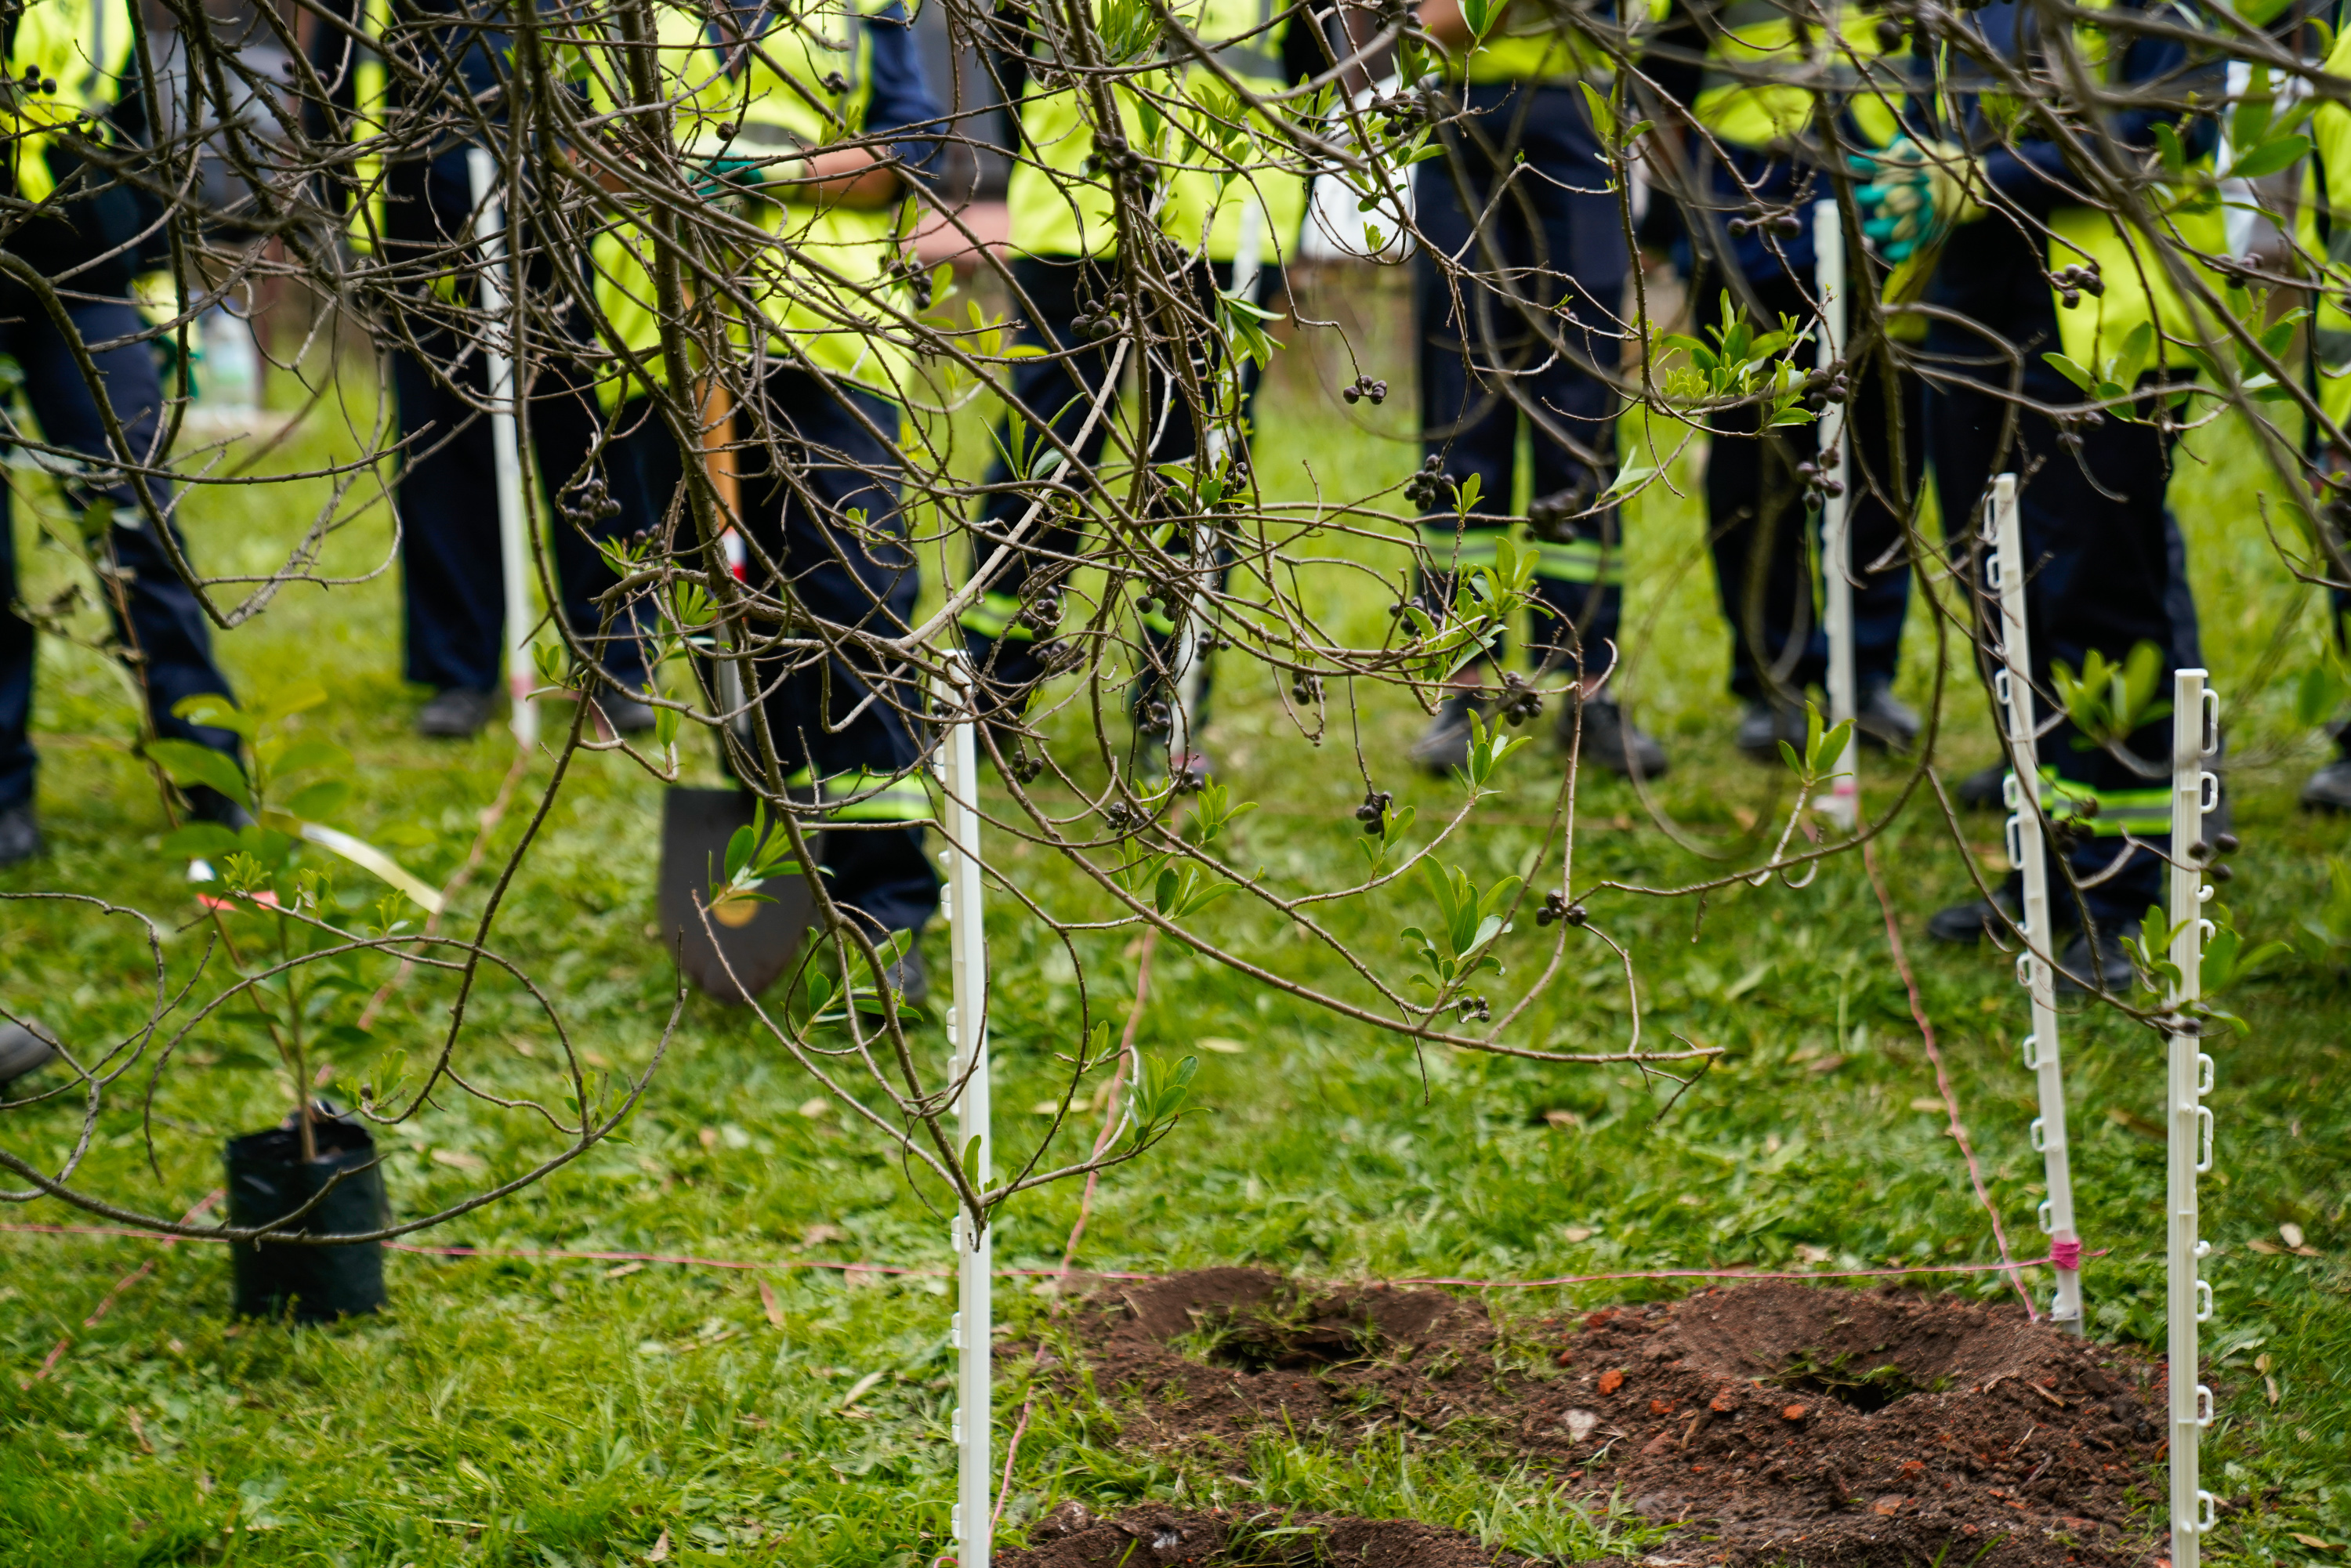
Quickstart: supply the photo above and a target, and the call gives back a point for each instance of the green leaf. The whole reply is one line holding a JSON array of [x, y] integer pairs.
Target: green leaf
[[2175, 156], [318, 800], [1604, 118], [1471, 488], [201, 841], [2279, 153], [190, 765], [211, 710], [304, 754], [2070, 371], [971, 1162]]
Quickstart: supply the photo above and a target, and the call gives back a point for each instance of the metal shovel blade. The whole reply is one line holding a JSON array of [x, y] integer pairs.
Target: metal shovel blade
[[737, 950]]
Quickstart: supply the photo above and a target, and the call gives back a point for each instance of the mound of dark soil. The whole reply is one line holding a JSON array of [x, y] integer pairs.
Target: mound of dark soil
[[1153, 1536], [1780, 1421]]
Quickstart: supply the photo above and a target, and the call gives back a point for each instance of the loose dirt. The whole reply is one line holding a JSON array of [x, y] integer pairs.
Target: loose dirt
[[1778, 1422], [1151, 1536]]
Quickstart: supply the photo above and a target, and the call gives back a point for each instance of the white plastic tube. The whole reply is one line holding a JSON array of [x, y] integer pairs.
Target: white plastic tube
[[967, 1038], [506, 441], [2036, 966], [2194, 735], [1842, 800]]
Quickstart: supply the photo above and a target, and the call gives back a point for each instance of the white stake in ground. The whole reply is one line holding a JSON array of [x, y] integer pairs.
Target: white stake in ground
[[2195, 736], [506, 441], [1841, 802], [972, 1524], [2036, 967]]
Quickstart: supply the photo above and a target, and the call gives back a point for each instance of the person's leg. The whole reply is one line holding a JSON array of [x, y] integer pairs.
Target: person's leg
[[1756, 523], [444, 491], [1008, 627], [1886, 472], [843, 725], [598, 493], [18, 649], [162, 626]]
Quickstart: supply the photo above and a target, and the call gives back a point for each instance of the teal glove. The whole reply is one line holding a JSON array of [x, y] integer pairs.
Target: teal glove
[[727, 174], [1914, 196]]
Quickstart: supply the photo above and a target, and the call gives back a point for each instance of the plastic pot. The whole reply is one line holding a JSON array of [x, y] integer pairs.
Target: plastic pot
[[267, 1180]]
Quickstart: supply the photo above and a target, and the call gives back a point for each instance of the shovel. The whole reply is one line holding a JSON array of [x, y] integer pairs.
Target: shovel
[[739, 947]]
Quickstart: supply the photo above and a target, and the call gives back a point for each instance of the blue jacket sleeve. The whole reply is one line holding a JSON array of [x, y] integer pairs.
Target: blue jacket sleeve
[[902, 98]]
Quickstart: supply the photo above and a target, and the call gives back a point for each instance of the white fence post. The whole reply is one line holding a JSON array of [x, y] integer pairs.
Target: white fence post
[[506, 441], [967, 1038], [1842, 801], [2036, 966], [2195, 736]]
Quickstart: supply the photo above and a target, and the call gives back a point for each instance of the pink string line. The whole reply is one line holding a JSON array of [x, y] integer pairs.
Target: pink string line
[[2058, 1251]]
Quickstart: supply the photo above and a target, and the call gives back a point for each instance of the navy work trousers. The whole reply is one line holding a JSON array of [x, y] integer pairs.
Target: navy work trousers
[[1517, 341], [161, 625], [1760, 529], [840, 720]]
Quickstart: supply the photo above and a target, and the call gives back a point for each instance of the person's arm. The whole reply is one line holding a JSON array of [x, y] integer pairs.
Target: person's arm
[[1443, 21], [900, 106]]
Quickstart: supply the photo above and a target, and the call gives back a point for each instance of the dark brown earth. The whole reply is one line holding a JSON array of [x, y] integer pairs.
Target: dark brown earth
[[1783, 1421], [1152, 1535]]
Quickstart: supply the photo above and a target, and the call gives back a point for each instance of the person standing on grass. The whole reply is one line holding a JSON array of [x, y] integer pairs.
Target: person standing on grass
[[2323, 233], [2028, 268], [1073, 316], [606, 475], [1755, 156], [1519, 332], [837, 122], [71, 104]]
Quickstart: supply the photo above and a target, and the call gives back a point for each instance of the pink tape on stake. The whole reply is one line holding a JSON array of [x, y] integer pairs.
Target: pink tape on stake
[[2067, 1255]]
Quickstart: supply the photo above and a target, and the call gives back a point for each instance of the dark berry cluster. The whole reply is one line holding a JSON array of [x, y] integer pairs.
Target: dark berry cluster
[[2071, 282], [1425, 487], [1763, 220], [1556, 908], [1374, 812], [1521, 699], [1365, 387]]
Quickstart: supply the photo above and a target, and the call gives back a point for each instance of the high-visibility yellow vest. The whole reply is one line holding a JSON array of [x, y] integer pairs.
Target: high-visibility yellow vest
[[1528, 46], [2324, 229], [806, 83], [84, 47], [1739, 103], [1058, 208]]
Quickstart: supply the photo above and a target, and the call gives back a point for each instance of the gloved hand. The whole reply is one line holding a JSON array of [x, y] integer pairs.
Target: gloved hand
[[728, 174], [1915, 194]]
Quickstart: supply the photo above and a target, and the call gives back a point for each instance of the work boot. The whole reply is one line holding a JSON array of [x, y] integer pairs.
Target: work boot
[[1444, 746], [2081, 969], [1884, 721], [1981, 790], [2328, 790], [1764, 726], [1610, 739], [457, 714], [21, 1052], [20, 835], [1965, 925]]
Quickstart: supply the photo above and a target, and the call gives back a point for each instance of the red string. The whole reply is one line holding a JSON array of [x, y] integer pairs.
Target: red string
[[1943, 1080]]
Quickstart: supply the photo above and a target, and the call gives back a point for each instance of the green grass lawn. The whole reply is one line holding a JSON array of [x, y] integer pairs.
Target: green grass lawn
[[574, 1413]]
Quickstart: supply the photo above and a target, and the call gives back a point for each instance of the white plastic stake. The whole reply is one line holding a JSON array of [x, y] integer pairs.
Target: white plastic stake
[[2036, 966], [2194, 735], [967, 1038], [1842, 803], [506, 441]]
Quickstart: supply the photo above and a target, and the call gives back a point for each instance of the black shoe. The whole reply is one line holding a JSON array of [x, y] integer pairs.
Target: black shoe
[[1444, 746], [21, 1052], [909, 976], [1610, 739], [1764, 726], [1884, 721], [2080, 971], [1965, 925], [20, 836], [1983, 791], [2329, 788], [457, 714], [622, 715]]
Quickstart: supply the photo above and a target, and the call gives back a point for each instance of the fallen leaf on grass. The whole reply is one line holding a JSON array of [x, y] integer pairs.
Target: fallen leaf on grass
[[660, 1554], [814, 1107], [2271, 1385], [1562, 1118], [459, 1159], [1577, 1233], [1813, 1254], [623, 1270], [774, 1308], [1826, 1064], [858, 1279], [2132, 1121], [857, 1390], [2267, 1248], [1925, 1103], [2290, 1233], [1046, 1108], [1221, 1045], [2313, 1542], [818, 1235]]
